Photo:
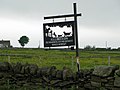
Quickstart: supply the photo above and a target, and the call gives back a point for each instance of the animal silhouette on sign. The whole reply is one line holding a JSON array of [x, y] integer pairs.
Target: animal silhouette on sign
[[47, 31], [60, 35], [54, 34], [51, 33], [66, 34]]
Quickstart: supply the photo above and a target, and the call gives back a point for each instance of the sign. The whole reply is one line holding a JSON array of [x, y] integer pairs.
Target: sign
[[58, 34]]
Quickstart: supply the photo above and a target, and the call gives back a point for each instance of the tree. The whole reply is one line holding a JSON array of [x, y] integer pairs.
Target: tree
[[88, 47], [23, 40]]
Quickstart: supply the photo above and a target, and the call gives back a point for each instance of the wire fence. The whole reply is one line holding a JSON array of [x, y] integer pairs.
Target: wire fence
[[69, 61]]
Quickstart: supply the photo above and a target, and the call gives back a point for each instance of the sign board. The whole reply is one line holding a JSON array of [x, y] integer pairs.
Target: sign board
[[58, 34]]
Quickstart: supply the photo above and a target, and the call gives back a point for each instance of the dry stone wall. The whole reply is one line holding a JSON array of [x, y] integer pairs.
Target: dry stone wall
[[32, 77]]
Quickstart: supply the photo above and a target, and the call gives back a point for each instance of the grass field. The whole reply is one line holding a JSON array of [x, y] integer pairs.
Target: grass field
[[59, 58]]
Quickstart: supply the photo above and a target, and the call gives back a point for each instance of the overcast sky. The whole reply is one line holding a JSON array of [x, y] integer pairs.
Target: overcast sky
[[100, 20]]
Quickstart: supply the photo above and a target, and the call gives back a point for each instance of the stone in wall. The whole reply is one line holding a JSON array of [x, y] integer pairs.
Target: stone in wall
[[67, 74], [103, 76], [17, 67], [26, 69], [117, 82], [59, 74], [105, 71], [33, 69], [117, 72], [5, 66], [53, 72]]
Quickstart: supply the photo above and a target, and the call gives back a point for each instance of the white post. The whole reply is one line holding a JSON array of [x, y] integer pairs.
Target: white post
[[78, 64], [9, 59]]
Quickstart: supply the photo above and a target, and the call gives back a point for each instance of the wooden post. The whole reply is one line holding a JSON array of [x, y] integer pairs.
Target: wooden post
[[9, 59], [108, 60], [76, 36], [75, 28]]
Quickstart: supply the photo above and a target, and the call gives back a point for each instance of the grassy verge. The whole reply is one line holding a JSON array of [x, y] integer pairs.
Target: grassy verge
[[59, 58]]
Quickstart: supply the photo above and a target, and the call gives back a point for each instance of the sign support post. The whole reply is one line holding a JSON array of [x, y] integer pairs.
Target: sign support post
[[75, 29], [76, 36]]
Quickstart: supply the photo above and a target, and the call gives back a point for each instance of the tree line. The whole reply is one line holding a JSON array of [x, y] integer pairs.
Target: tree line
[[88, 47]]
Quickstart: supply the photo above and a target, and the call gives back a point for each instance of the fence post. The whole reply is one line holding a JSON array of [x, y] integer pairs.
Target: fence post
[[9, 59], [72, 63], [108, 60]]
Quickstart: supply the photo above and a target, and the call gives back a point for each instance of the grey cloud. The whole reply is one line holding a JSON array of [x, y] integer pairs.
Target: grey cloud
[[95, 13], [101, 13]]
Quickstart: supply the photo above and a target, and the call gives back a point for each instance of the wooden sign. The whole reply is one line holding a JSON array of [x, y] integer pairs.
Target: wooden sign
[[58, 34]]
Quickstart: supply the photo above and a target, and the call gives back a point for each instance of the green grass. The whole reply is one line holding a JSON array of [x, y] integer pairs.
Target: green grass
[[59, 58]]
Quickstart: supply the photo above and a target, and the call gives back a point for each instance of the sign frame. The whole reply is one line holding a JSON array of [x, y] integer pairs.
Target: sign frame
[[50, 41]]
